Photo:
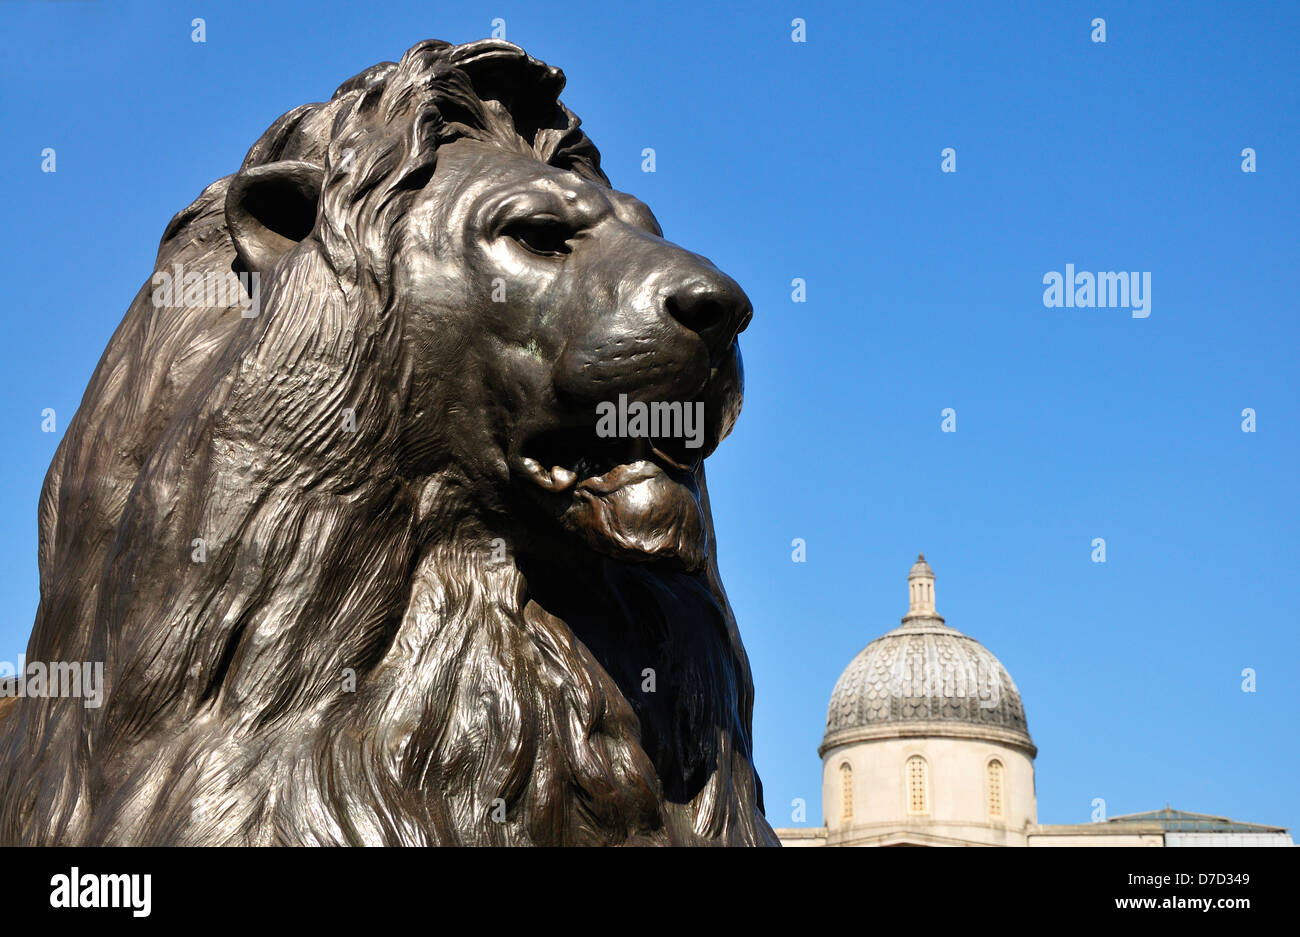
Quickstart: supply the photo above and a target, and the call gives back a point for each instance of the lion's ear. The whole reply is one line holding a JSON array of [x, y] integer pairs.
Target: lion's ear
[[270, 208]]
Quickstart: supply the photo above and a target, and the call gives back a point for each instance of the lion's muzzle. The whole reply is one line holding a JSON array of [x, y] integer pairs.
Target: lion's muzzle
[[663, 339], [670, 319]]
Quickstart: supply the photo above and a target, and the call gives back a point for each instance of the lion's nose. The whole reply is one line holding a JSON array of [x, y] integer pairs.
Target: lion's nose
[[713, 307]]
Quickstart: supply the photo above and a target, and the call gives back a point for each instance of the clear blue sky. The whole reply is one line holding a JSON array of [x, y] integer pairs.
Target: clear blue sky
[[822, 160]]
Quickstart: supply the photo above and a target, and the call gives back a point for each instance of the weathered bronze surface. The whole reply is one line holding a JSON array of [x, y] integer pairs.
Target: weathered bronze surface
[[357, 561]]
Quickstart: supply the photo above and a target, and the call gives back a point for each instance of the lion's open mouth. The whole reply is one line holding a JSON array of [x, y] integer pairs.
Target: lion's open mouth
[[559, 460], [635, 499]]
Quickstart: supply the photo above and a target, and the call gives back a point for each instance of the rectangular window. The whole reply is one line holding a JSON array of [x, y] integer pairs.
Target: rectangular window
[[917, 800], [995, 790]]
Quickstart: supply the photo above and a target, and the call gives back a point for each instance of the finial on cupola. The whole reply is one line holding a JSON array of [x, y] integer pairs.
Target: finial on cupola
[[920, 588]]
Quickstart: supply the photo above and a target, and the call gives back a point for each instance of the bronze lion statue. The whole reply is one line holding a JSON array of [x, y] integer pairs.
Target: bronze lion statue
[[357, 565]]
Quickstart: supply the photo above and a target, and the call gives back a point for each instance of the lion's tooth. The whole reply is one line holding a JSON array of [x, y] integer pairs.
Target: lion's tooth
[[534, 468], [556, 479]]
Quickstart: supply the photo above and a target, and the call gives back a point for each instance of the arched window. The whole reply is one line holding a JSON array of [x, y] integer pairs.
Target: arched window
[[846, 792], [918, 800], [994, 787]]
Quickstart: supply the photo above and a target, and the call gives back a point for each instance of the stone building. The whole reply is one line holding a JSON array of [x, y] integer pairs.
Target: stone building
[[927, 745]]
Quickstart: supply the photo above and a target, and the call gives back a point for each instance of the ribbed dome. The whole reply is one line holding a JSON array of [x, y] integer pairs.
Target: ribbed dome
[[925, 672]]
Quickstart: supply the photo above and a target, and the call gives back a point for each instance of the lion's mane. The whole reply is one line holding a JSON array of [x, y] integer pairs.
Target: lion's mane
[[478, 714]]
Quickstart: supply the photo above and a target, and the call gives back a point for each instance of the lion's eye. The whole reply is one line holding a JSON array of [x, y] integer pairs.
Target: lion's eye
[[547, 236]]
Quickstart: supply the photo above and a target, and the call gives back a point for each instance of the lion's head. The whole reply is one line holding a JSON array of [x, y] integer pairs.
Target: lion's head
[[360, 564]]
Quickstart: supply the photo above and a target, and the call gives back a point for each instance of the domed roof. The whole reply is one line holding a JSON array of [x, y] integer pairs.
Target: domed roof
[[925, 678], [920, 568]]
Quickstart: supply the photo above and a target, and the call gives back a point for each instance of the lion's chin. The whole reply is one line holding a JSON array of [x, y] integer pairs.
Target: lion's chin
[[640, 512]]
